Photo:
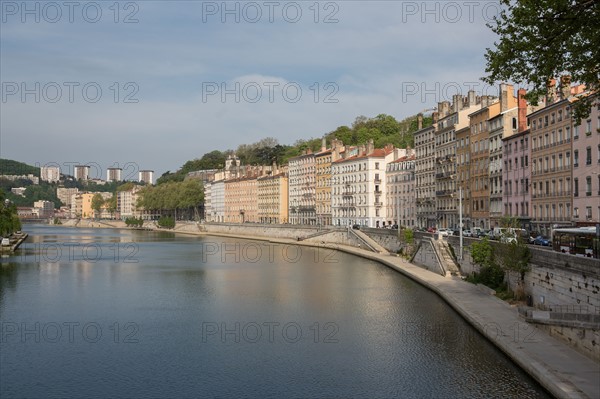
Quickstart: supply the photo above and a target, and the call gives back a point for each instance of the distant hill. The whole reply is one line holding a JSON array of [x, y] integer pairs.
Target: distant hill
[[10, 167], [382, 129]]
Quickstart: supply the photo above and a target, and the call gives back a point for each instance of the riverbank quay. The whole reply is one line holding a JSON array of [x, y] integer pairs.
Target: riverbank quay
[[560, 369]]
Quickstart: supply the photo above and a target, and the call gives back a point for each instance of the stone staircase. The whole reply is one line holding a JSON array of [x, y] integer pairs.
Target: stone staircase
[[369, 242], [443, 251]]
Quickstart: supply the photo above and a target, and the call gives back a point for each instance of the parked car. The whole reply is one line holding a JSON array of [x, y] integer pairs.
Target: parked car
[[5, 242], [541, 240], [444, 232], [431, 230], [356, 226], [467, 233]]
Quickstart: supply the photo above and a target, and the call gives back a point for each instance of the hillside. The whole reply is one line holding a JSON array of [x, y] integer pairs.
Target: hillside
[[382, 129], [10, 167]]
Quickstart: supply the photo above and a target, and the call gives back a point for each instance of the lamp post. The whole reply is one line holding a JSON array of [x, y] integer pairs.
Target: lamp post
[[460, 223]]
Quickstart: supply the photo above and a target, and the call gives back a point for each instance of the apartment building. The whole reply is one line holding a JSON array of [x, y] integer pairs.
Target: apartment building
[[82, 172], [273, 198], [302, 189], [146, 176], [43, 209], [511, 120], [452, 118], [463, 172], [241, 200], [480, 157], [65, 195], [127, 203], [552, 161], [323, 161], [400, 192], [113, 174], [517, 178], [586, 170], [217, 195], [50, 174], [208, 210], [425, 174], [358, 186]]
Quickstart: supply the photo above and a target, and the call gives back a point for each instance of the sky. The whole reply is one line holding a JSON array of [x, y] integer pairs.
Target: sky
[[152, 84]]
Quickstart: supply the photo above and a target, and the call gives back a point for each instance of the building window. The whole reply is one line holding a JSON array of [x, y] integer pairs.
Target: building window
[[588, 212], [575, 132], [588, 186], [576, 213], [576, 158], [576, 187], [376, 165], [588, 156]]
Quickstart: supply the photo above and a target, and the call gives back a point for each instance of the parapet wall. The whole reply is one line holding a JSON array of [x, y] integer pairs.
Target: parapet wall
[[554, 279]]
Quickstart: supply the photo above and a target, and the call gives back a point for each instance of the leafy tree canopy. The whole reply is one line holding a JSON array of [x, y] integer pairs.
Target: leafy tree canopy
[[543, 39]]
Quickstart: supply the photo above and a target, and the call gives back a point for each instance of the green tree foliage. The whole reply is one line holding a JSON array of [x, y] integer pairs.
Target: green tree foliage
[[490, 273], [175, 197], [10, 167], [514, 257], [543, 39], [134, 222], [482, 252], [9, 219], [97, 202], [166, 222]]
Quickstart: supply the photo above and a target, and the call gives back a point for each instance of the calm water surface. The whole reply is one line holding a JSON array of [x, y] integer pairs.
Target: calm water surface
[[105, 313]]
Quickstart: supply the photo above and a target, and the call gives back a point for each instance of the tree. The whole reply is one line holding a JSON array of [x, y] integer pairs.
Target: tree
[[9, 219], [543, 39], [482, 253], [97, 202], [514, 257]]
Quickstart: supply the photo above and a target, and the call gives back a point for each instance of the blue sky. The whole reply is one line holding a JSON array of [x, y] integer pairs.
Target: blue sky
[[162, 74]]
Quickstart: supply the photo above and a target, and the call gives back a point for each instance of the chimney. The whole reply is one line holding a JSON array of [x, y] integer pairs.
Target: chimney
[[506, 91], [550, 92], [419, 121], [435, 117], [370, 146], [484, 101], [565, 87], [522, 113], [323, 144], [456, 102], [472, 98]]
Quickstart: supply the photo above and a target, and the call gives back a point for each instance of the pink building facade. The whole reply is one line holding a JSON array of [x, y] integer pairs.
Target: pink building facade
[[586, 170]]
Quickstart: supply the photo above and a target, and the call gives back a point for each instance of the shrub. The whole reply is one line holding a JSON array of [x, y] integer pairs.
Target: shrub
[[166, 222]]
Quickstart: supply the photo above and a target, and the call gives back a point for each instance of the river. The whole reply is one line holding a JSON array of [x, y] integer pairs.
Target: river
[[124, 313]]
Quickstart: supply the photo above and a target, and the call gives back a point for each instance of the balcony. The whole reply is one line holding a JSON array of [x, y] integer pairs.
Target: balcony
[[377, 180], [442, 193], [445, 175], [378, 192], [378, 204]]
